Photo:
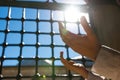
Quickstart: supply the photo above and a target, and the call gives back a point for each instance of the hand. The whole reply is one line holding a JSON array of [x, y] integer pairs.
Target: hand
[[70, 65], [86, 45], [79, 69]]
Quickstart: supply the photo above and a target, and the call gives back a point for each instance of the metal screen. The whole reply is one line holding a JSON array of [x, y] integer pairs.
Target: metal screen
[[30, 41]]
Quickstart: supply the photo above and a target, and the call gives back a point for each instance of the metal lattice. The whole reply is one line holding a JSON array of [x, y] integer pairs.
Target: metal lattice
[[30, 41]]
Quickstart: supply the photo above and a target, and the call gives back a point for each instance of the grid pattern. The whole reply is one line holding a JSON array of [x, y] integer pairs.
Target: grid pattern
[[29, 37]]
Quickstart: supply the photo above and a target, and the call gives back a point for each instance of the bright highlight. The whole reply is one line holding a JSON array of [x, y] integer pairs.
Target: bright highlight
[[72, 14]]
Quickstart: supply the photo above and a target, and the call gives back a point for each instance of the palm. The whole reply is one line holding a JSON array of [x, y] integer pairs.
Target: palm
[[86, 45]]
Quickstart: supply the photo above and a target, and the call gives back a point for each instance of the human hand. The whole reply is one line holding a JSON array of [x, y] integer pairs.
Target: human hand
[[86, 44], [80, 69], [70, 65]]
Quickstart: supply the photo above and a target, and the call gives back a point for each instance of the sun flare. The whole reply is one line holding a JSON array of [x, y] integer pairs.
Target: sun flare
[[72, 14]]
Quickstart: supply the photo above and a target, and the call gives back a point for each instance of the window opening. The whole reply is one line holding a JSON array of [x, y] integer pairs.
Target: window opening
[[30, 41]]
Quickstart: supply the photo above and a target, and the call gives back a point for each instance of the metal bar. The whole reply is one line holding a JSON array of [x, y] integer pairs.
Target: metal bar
[[52, 6]]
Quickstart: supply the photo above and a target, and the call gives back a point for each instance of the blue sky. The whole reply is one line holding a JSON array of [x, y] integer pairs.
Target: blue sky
[[29, 25]]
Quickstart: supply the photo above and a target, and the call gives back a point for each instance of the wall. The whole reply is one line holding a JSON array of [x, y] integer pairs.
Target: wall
[[106, 20]]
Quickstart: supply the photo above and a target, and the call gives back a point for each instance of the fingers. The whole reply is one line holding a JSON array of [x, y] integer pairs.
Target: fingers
[[69, 37], [78, 69], [76, 42], [85, 45], [64, 34], [62, 30], [86, 26], [84, 23]]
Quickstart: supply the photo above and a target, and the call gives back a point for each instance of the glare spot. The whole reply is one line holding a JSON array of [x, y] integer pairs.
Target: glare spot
[[72, 14]]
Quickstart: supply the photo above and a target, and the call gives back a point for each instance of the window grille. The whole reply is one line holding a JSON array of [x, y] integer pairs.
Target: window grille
[[30, 41]]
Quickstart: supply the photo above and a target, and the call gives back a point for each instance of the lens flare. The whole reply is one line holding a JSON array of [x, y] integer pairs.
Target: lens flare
[[72, 14]]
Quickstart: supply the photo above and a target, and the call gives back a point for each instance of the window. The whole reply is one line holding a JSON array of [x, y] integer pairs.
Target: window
[[30, 42]]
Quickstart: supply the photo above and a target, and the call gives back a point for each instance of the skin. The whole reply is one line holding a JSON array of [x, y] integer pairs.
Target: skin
[[86, 45]]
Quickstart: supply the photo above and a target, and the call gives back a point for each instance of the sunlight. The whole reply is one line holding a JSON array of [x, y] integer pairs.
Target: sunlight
[[72, 14]]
